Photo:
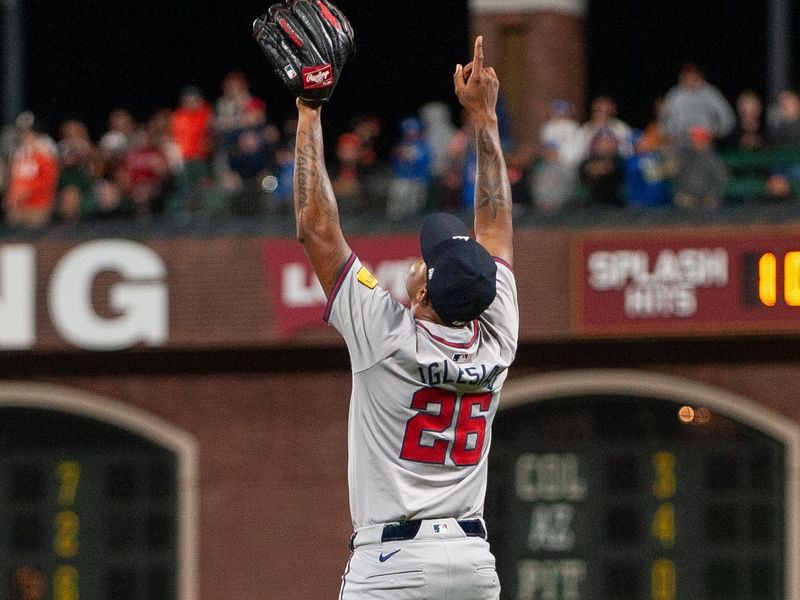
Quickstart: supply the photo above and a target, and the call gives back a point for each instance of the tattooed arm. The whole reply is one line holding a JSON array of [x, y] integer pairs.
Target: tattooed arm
[[476, 88], [315, 209]]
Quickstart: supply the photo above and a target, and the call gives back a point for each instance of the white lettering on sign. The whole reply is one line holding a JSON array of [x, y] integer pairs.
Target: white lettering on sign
[[301, 289], [17, 297], [549, 477], [664, 289], [550, 579], [139, 302], [551, 527]]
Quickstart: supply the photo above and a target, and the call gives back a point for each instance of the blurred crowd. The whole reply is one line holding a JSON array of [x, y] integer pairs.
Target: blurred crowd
[[228, 157], [682, 158]]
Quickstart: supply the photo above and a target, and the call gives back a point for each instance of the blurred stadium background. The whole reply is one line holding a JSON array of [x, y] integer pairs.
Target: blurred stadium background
[[173, 411]]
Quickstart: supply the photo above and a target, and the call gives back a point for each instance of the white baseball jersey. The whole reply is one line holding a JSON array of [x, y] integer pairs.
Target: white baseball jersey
[[423, 401]]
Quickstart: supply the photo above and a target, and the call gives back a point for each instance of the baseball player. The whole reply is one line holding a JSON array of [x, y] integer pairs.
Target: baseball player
[[426, 379]]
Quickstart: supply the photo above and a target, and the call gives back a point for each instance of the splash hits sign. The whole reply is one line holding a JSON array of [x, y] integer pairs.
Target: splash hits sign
[[663, 283], [685, 282]]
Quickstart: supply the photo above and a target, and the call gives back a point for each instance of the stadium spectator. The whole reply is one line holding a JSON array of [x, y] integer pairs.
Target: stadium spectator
[[191, 130], [748, 133], [553, 181], [368, 128], [519, 164], [604, 116], [33, 178], [692, 102], [146, 173], [412, 164], [439, 132], [653, 133], [461, 147], [345, 175], [601, 172], [470, 169], [648, 174], [70, 206], [701, 177], [252, 159], [9, 140], [287, 134], [229, 116], [79, 164], [177, 195], [563, 130], [249, 162], [109, 203], [374, 171], [284, 160], [230, 106], [783, 121], [117, 141]]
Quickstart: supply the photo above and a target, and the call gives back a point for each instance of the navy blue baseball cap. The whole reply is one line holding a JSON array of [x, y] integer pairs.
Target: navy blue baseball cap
[[461, 273]]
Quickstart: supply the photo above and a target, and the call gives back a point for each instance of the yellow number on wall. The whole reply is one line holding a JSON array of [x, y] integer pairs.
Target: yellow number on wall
[[69, 473], [665, 482], [663, 580], [65, 583], [663, 527], [65, 543]]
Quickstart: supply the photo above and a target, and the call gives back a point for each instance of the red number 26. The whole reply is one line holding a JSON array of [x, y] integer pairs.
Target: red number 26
[[436, 423]]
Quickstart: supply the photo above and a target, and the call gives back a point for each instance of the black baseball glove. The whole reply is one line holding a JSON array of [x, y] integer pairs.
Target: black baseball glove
[[308, 43]]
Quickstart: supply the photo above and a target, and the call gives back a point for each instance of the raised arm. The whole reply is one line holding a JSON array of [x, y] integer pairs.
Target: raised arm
[[315, 208], [476, 88]]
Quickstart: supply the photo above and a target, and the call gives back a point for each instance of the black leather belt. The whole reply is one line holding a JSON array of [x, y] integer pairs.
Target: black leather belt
[[408, 530]]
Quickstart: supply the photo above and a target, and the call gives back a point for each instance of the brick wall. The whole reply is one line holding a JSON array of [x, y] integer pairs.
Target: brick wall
[[273, 459], [554, 61]]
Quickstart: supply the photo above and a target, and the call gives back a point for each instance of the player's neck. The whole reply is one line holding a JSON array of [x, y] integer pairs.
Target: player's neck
[[425, 312]]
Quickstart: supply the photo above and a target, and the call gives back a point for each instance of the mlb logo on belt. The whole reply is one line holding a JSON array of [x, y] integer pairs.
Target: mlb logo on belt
[[440, 528], [317, 77]]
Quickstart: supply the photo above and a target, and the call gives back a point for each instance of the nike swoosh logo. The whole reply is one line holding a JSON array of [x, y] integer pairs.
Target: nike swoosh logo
[[384, 557]]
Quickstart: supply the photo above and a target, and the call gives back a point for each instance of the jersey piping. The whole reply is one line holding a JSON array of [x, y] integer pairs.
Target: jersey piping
[[451, 344], [338, 285]]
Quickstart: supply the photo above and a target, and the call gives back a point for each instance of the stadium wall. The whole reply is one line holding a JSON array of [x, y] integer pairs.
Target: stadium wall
[[221, 339]]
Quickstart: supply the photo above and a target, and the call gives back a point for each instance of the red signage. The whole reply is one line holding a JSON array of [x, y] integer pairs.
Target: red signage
[[686, 282], [296, 294]]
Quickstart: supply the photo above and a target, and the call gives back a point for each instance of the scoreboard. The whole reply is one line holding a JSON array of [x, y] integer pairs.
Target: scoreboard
[[681, 282], [630, 498], [87, 511]]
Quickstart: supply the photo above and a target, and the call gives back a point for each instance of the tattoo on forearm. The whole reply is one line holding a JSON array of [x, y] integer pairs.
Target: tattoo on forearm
[[312, 187], [303, 162], [493, 190]]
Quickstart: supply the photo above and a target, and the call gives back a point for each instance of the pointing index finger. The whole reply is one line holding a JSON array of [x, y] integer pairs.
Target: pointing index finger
[[477, 60]]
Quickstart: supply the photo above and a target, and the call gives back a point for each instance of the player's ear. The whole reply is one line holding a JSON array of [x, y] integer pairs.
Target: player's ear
[[422, 294]]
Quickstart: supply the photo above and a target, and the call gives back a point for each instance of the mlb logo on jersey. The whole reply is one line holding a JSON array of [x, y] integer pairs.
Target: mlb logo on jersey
[[440, 528], [460, 358]]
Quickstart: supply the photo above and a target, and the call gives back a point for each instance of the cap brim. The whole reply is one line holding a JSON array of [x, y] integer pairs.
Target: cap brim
[[438, 228]]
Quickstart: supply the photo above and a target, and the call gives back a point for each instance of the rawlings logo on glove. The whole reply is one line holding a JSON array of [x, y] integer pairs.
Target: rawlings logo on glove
[[307, 37], [317, 77]]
